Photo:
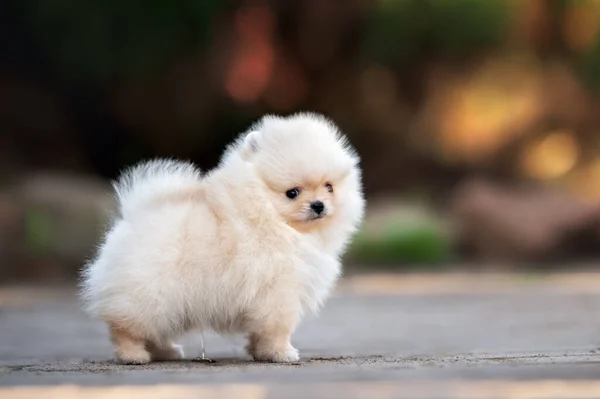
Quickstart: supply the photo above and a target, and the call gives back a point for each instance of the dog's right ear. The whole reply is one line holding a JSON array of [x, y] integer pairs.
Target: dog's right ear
[[250, 145]]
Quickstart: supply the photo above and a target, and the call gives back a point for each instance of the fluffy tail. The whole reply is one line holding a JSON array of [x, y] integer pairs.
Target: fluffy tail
[[141, 183]]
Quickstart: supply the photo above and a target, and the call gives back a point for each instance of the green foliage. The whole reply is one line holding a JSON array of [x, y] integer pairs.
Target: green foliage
[[38, 230], [398, 244], [399, 30], [96, 41], [591, 66]]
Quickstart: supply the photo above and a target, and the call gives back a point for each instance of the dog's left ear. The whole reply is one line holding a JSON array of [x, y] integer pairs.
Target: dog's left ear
[[250, 145]]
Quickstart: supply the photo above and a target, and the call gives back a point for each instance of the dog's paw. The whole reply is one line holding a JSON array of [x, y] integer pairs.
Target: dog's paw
[[290, 354], [133, 358]]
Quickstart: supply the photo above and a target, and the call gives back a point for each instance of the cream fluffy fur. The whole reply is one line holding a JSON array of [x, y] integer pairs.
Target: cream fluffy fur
[[228, 251]]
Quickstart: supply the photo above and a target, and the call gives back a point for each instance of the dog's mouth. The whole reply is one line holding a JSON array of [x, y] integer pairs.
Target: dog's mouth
[[312, 217]]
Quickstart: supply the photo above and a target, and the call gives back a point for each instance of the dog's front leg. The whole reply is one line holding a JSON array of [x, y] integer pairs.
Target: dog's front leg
[[270, 337]]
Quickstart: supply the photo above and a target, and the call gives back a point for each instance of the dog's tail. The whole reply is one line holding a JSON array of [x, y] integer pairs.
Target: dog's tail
[[142, 183]]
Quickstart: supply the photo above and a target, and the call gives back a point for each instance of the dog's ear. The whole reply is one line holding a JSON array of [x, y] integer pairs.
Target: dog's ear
[[250, 145]]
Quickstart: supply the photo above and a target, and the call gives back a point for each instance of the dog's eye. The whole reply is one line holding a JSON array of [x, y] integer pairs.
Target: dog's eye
[[329, 187], [293, 193]]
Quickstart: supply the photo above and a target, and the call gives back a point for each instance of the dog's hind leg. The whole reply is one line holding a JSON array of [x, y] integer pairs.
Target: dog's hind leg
[[129, 349]]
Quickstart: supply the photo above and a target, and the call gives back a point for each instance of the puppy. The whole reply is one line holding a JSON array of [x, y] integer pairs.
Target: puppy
[[246, 248]]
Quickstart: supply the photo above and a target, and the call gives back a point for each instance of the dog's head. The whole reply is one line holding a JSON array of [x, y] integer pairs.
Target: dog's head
[[308, 167]]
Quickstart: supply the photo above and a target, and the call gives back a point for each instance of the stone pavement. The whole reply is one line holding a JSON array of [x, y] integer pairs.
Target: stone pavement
[[380, 336]]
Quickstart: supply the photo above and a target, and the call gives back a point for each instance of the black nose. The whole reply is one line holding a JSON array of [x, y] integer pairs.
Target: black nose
[[317, 206]]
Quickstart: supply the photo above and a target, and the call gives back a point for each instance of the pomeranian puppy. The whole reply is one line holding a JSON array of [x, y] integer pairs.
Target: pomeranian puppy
[[246, 248]]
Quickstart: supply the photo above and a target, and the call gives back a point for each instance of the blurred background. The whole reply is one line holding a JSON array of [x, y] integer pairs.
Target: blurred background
[[478, 121]]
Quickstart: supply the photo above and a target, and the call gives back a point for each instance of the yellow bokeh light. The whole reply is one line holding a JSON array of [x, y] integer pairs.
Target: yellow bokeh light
[[552, 157], [476, 116]]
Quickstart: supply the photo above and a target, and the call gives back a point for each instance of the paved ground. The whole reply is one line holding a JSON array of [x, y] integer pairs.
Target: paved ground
[[451, 336]]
